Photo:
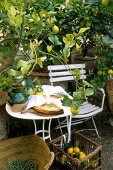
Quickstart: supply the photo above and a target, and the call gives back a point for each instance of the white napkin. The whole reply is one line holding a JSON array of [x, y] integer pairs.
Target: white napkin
[[52, 90], [38, 100], [35, 100]]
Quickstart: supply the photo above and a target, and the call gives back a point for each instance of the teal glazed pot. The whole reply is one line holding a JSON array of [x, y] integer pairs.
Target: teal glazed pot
[[18, 95]]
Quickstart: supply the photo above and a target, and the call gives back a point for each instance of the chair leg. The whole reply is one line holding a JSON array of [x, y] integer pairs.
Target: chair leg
[[95, 127], [69, 119]]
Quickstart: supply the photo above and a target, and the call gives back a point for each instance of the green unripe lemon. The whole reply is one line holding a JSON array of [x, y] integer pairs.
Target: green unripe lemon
[[55, 29], [105, 2], [110, 72], [99, 72]]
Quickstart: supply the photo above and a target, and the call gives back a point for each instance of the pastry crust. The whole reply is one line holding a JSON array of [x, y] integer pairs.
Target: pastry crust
[[48, 109]]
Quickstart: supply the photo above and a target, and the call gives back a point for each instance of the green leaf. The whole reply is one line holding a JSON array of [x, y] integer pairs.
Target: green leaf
[[75, 104], [22, 63], [54, 40], [66, 101], [85, 83], [82, 30], [25, 69], [78, 95], [12, 72], [51, 39], [65, 40], [18, 20], [76, 73], [89, 92], [66, 52], [12, 11], [70, 37], [69, 40], [77, 143], [32, 46]]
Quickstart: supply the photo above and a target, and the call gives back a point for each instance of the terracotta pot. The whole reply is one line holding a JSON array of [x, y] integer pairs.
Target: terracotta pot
[[3, 98], [109, 93], [90, 62]]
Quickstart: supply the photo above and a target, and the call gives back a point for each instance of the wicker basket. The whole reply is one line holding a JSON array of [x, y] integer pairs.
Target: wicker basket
[[25, 148], [93, 153]]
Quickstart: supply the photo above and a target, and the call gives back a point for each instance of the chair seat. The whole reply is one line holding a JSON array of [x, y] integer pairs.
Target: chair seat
[[87, 110]]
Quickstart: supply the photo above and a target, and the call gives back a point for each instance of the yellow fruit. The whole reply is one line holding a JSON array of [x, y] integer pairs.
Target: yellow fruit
[[74, 111], [76, 150], [52, 20], [105, 2], [55, 29], [70, 150], [39, 93], [82, 155], [99, 72], [110, 72]]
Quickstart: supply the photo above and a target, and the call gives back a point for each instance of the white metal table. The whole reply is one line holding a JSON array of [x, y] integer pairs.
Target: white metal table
[[46, 132]]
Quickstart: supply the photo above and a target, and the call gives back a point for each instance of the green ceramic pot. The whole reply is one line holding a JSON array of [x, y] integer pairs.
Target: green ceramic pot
[[18, 95]]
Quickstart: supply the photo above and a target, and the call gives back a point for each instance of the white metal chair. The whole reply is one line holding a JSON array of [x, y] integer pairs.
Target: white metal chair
[[60, 73]]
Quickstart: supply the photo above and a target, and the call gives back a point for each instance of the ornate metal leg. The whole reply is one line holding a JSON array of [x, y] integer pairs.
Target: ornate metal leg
[[43, 130]]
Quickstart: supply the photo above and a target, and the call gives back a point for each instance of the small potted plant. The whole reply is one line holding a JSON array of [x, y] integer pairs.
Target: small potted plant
[[80, 95]]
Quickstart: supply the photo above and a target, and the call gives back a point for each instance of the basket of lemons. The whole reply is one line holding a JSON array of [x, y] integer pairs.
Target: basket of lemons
[[80, 153]]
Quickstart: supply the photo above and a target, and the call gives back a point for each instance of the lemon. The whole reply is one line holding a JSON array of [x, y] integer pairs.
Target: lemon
[[74, 111], [110, 72], [99, 72], [52, 20], [70, 150], [82, 155], [76, 150], [55, 29], [105, 2]]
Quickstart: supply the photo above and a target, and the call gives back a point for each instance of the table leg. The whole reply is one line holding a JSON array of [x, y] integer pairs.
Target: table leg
[[46, 134]]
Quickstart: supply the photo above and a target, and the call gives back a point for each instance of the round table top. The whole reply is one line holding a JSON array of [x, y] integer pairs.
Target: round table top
[[32, 116]]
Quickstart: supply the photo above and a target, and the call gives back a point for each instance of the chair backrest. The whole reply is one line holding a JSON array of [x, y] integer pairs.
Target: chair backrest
[[59, 73]]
